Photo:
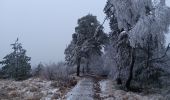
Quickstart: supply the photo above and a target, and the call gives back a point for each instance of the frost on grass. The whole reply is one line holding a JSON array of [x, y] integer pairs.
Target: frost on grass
[[109, 91], [31, 89]]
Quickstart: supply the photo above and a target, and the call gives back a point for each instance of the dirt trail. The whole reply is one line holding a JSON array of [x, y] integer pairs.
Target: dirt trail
[[82, 91], [92, 89]]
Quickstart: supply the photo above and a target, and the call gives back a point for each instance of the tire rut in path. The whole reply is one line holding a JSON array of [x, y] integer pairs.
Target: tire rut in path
[[97, 90]]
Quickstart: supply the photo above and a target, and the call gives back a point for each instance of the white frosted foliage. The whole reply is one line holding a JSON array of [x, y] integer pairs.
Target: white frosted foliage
[[141, 18], [155, 24], [127, 11]]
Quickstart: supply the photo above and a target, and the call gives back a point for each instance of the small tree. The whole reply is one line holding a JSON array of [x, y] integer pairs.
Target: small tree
[[38, 70], [16, 64]]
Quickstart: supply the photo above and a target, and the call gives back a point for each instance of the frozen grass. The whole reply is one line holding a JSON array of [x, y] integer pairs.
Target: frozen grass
[[31, 89]]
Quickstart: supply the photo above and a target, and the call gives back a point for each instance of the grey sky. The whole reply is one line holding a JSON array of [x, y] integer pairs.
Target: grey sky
[[44, 27]]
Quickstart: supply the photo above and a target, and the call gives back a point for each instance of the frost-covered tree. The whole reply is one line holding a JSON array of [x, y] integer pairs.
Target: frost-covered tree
[[143, 25], [151, 63], [87, 39], [114, 58], [38, 70], [16, 64], [96, 64], [69, 51]]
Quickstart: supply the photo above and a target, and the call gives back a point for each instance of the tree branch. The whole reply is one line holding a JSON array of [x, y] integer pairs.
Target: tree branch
[[168, 47], [159, 58]]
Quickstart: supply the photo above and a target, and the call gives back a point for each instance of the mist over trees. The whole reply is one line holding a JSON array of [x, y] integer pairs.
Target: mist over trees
[[133, 53]]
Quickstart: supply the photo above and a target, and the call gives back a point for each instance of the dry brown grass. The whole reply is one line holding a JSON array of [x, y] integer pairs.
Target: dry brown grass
[[13, 94]]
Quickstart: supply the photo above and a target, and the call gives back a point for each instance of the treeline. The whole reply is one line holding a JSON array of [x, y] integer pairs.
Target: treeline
[[16, 65], [133, 53]]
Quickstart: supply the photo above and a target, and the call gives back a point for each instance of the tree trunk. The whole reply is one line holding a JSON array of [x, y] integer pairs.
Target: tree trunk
[[87, 67], [128, 82], [78, 66], [83, 70], [119, 81]]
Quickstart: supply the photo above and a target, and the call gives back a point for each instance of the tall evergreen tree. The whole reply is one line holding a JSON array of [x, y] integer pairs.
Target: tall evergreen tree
[[16, 64], [87, 39]]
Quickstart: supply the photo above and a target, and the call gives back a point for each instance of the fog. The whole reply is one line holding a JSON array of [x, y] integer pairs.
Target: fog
[[44, 27]]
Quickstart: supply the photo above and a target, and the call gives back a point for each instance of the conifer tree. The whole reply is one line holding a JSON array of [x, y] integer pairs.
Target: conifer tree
[[38, 70], [16, 64], [85, 41]]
